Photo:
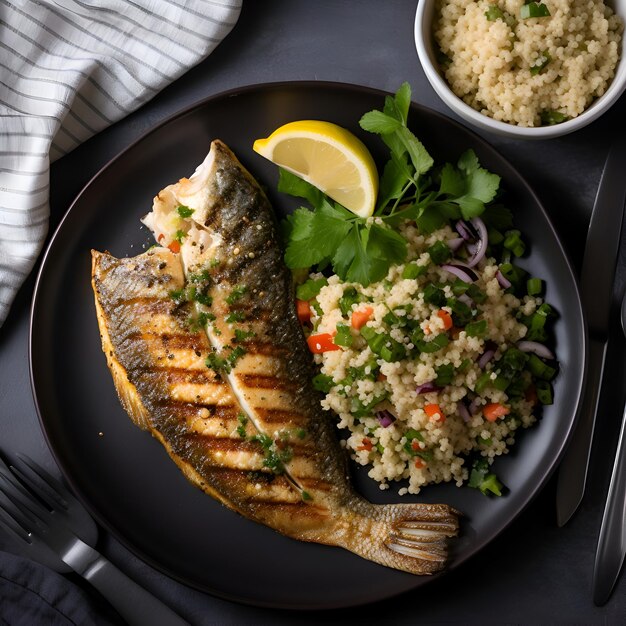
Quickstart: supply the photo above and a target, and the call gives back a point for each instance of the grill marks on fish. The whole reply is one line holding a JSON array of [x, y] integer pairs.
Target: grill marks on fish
[[157, 364], [191, 409]]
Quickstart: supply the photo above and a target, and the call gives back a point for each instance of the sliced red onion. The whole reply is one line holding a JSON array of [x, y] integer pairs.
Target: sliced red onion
[[464, 230], [536, 348], [427, 387], [462, 271], [503, 281], [456, 243], [474, 406], [481, 243], [485, 357], [385, 418], [463, 411]]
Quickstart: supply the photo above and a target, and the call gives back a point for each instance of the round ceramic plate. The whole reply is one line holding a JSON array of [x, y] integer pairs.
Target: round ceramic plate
[[125, 477]]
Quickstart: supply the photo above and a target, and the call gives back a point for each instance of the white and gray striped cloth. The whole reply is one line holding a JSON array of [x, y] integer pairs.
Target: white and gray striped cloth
[[68, 69]]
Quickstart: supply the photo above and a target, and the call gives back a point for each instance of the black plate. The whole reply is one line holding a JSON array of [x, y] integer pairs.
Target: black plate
[[125, 477]]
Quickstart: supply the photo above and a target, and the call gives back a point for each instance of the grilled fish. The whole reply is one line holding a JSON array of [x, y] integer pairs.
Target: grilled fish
[[206, 353]]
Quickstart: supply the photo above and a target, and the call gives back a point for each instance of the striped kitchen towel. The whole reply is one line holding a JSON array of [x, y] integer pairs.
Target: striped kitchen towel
[[68, 69]]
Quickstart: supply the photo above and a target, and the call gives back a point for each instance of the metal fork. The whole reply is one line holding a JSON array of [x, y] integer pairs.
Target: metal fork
[[47, 520]]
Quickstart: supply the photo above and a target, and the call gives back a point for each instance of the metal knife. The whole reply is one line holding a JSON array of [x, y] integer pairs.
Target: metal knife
[[597, 277], [612, 540]]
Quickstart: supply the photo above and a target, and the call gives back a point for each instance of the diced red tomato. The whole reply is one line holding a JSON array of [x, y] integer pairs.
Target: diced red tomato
[[174, 246], [361, 317], [366, 445], [323, 342], [434, 412], [495, 410], [303, 310], [415, 445], [161, 237], [445, 318], [380, 377], [419, 464]]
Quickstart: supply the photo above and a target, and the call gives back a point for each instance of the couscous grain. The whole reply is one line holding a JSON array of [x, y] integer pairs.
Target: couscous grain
[[533, 71]]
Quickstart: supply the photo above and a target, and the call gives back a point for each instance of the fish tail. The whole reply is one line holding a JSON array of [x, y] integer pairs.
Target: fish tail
[[408, 537]]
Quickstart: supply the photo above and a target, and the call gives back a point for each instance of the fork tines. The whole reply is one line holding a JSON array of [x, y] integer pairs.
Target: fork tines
[[46, 487]]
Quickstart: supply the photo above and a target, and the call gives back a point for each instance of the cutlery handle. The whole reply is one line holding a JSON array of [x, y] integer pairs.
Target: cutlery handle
[[573, 469], [612, 540], [136, 605]]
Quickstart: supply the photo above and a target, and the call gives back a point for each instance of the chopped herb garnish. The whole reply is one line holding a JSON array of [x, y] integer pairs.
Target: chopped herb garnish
[[481, 478], [310, 289], [358, 409], [513, 242], [462, 313], [493, 13], [413, 270], [306, 496], [200, 277], [300, 433], [476, 329], [481, 383], [442, 58], [217, 363], [350, 296], [242, 335], [514, 274], [445, 375], [236, 294], [200, 322], [536, 323], [235, 316], [243, 421], [323, 383], [433, 295], [180, 235], [275, 456], [184, 211], [434, 345], [413, 449], [203, 298], [544, 392], [550, 118], [534, 9], [540, 369], [534, 286], [383, 345], [235, 355], [178, 295], [343, 337], [540, 63], [439, 252]]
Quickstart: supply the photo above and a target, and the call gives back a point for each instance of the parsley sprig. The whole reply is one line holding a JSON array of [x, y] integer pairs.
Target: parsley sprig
[[362, 250]]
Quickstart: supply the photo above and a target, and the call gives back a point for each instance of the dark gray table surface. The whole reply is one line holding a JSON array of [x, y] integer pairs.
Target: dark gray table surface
[[533, 572]]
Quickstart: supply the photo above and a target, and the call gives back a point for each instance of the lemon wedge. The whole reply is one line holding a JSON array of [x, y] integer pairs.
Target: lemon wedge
[[329, 157]]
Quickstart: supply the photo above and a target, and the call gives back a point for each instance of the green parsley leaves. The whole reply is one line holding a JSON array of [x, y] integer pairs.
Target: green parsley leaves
[[358, 250], [361, 250], [184, 211]]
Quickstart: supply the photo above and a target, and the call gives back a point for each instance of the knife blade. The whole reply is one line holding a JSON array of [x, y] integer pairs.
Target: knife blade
[[597, 277], [612, 540]]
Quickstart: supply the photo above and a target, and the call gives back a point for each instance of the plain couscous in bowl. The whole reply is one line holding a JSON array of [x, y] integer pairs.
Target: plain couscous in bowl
[[528, 64]]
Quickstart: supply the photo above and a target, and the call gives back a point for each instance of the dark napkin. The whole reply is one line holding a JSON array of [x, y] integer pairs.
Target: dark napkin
[[31, 594]]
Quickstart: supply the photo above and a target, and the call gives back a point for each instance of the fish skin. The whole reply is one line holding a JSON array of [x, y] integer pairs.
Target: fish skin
[[270, 383]]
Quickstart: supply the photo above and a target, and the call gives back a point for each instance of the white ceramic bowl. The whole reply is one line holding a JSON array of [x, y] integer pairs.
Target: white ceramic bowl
[[426, 54]]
